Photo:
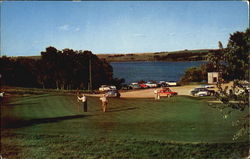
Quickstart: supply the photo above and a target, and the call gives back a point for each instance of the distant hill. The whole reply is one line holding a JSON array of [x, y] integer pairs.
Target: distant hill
[[182, 55]]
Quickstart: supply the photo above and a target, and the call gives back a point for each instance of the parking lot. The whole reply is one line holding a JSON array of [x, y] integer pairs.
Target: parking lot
[[149, 93], [181, 90]]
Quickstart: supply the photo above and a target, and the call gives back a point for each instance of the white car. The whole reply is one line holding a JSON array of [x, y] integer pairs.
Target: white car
[[106, 88], [207, 86], [134, 83], [239, 91], [247, 86], [151, 85], [202, 93], [172, 83], [162, 82]]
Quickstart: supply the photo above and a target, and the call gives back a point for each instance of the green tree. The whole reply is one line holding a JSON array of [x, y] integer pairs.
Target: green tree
[[217, 57], [18, 71], [237, 55], [194, 74], [68, 69], [235, 66]]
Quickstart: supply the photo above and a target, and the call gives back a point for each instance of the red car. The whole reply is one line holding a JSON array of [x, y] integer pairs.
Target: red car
[[167, 92], [143, 86]]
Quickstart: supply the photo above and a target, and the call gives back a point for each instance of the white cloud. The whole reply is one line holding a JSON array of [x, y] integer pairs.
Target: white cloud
[[64, 27]]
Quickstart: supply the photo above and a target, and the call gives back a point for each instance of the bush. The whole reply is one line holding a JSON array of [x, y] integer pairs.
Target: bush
[[194, 74]]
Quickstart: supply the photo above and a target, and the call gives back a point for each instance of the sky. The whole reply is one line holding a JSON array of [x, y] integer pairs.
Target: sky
[[27, 27]]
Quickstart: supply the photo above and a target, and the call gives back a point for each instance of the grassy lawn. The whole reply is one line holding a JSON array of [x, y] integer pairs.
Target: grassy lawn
[[50, 126]]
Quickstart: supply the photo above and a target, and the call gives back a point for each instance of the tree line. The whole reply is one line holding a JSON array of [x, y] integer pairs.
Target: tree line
[[58, 69], [184, 56]]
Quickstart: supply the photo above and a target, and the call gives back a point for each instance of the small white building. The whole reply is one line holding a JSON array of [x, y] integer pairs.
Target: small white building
[[213, 77]]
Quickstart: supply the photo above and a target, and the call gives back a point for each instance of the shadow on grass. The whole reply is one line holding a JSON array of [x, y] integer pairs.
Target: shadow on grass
[[119, 110], [21, 104], [200, 98], [13, 122]]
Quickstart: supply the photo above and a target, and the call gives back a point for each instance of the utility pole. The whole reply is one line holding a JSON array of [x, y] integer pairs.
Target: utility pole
[[90, 74]]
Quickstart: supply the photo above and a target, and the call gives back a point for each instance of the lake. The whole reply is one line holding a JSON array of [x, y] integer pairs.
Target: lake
[[157, 71]]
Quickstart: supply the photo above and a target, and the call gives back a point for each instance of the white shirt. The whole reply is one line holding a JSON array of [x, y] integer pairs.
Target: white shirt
[[103, 99], [155, 91], [82, 99]]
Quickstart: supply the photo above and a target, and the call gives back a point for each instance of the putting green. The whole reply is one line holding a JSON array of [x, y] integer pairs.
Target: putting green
[[169, 120], [181, 119]]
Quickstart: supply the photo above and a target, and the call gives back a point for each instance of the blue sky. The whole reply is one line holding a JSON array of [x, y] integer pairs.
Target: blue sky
[[27, 28]]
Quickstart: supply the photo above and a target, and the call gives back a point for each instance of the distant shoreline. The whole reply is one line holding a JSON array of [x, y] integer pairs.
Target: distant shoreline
[[174, 56], [152, 61]]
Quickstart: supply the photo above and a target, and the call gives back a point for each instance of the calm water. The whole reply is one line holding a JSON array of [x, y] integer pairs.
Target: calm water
[[157, 71]]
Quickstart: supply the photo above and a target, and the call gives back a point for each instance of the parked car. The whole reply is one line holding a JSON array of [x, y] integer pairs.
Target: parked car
[[246, 86], [243, 86], [134, 83], [112, 87], [113, 93], [126, 87], [151, 84], [167, 92], [201, 92], [239, 91], [172, 83], [143, 86], [135, 86], [106, 88], [207, 86], [162, 84]]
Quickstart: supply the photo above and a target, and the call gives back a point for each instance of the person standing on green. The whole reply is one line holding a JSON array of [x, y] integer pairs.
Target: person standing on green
[[104, 101], [156, 94], [83, 99]]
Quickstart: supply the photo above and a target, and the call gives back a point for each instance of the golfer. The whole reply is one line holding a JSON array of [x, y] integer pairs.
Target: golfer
[[104, 102], [83, 99], [156, 94], [1, 97]]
